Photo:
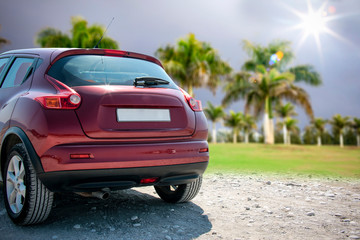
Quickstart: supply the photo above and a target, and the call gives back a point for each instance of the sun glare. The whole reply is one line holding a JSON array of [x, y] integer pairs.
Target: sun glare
[[313, 22]]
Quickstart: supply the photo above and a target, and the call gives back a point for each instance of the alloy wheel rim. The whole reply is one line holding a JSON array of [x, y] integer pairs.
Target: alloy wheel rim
[[15, 186]]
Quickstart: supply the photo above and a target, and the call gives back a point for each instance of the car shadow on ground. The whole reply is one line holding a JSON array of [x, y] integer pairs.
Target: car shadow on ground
[[127, 214]]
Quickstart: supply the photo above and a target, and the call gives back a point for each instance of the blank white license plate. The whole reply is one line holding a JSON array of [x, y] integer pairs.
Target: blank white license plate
[[142, 115]]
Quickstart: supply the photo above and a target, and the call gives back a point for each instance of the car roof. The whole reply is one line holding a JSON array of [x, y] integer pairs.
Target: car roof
[[57, 53], [33, 51]]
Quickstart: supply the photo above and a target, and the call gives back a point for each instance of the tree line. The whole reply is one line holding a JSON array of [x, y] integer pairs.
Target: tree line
[[344, 130]]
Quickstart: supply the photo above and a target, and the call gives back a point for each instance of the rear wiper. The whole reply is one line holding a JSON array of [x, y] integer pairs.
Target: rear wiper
[[149, 81]]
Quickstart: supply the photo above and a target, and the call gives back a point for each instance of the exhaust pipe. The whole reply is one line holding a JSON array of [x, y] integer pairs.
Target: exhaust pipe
[[99, 194]]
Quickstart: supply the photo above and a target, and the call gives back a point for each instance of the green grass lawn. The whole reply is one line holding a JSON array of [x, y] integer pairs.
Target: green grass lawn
[[297, 159]]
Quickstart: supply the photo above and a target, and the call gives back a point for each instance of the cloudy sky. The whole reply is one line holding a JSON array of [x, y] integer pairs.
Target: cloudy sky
[[143, 26]]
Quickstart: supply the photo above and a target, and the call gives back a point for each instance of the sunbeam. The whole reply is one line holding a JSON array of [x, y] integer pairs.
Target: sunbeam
[[314, 23]]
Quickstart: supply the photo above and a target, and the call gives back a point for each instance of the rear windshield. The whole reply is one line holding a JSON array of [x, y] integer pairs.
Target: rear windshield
[[83, 70]]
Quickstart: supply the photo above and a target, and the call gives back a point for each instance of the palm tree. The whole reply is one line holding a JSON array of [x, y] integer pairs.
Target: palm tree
[[309, 135], [263, 92], [339, 123], [319, 125], [260, 55], [261, 75], [356, 127], [3, 41], [82, 36], [284, 112], [214, 114], [193, 63], [235, 121], [51, 37], [291, 127], [249, 124]]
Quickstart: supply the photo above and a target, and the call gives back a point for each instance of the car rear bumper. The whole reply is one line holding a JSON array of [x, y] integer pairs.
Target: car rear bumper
[[110, 156], [114, 179], [121, 166]]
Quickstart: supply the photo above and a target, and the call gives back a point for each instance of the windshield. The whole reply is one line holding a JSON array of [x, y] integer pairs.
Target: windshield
[[83, 70]]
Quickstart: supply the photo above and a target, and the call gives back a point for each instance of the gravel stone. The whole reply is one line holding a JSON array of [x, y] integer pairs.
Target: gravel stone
[[77, 226], [2, 212], [310, 214], [287, 209], [225, 209], [290, 214], [354, 237]]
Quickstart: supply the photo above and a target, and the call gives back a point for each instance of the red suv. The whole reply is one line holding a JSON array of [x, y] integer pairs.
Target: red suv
[[91, 121]]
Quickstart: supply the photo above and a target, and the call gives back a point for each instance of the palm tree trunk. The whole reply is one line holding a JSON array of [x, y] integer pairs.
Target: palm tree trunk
[[358, 140], [246, 137], [271, 130], [214, 132], [190, 90], [266, 121], [288, 138], [319, 141], [235, 137], [341, 140], [266, 128], [284, 133], [268, 124], [271, 122]]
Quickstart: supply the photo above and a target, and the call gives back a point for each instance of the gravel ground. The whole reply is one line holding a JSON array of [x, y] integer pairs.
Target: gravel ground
[[246, 206]]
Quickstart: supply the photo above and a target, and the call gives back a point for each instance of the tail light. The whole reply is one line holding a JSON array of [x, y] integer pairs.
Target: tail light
[[81, 156], [148, 180], [203, 150], [65, 98], [193, 103]]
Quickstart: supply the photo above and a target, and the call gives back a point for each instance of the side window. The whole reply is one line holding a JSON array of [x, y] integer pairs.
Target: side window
[[17, 73], [3, 62]]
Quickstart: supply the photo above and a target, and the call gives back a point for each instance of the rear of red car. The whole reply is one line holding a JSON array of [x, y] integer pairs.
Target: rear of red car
[[129, 116], [105, 119]]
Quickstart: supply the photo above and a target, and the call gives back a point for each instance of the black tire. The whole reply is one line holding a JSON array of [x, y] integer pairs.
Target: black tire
[[179, 193], [35, 202]]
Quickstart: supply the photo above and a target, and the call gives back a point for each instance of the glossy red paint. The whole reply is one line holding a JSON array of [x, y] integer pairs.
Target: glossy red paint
[[106, 52], [123, 155], [98, 119], [62, 137]]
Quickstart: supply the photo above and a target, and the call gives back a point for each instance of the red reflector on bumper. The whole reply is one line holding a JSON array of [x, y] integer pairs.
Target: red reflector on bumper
[[202, 150], [81, 156], [148, 180]]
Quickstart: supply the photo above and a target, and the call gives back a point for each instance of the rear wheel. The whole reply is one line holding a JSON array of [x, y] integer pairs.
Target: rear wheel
[[27, 200], [179, 193]]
